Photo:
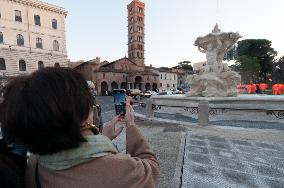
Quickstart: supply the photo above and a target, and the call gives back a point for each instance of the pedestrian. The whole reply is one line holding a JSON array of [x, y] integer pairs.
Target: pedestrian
[[50, 110], [258, 90], [253, 88], [263, 87], [249, 88]]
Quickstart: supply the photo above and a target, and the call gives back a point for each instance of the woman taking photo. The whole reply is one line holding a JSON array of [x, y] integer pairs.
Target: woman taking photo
[[51, 112]]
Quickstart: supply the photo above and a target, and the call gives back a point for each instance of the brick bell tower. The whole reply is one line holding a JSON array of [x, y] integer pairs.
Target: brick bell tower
[[136, 33]]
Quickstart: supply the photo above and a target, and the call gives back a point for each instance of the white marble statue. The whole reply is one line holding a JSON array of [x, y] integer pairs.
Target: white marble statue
[[217, 80]]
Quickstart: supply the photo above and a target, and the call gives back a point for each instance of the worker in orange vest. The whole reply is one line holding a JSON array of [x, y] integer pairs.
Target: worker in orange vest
[[253, 88], [276, 89], [249, 88], [281, 89], [263, 87]]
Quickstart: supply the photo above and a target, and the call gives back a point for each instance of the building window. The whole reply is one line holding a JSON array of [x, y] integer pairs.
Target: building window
[[165, 76], [56, 65], [161, 76], [1, 37], [140, 19], [138, 54], [20, 40], [140, 47], [141, 55], [161, 85], [40, 65], [131, 20], [140, 9], [37, 20], [2, 64], [39, 43], [130, 10], [168, 85], [18, 16], [104, 75], [155, 78], [54, 24], [131, 29], [139, 38], [174, 77], [174, 85], [130, 39], [22, 65], [55, 45], [140, 29], [148, 78]]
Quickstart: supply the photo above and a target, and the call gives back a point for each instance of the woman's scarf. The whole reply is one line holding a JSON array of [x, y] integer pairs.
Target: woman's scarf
[[96, 146]]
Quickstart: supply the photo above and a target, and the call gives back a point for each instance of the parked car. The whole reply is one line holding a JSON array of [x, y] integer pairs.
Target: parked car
[[149, 93], [178, 92], [134, 92], [165, 93]]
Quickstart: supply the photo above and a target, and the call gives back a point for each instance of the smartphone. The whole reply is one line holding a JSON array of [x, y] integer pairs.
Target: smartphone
[[119, 96]]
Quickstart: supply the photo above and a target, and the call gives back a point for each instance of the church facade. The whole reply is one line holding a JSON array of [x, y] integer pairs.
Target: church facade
[[128, 72]]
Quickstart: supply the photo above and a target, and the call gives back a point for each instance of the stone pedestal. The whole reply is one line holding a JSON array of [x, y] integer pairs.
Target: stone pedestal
[[149, 109], [203, 113], [213, 84]]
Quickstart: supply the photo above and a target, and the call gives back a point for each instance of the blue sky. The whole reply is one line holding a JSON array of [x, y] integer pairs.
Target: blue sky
[[98, 28]]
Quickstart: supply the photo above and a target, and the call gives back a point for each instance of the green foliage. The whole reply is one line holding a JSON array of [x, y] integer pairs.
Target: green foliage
[[254, 59], [278, 71], [185, 65], [248, 67], [259, 49]]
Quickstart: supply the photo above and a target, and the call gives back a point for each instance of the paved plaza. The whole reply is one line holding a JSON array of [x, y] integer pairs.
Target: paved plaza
[[215, 161], [212, 156]]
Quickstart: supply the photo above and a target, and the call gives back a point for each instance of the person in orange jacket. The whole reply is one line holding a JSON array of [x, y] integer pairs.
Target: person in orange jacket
[[253, 88], [249, 88], [281, 89], [263, 87], [276, 89], [273, 88]]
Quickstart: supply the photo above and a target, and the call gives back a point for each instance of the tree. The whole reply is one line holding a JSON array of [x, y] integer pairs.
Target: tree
[[253, 50], [185, 65], [278, 71], [249, 68]]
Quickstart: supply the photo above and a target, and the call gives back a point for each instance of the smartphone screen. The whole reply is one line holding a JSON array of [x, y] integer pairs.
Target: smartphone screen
[[119, 96]]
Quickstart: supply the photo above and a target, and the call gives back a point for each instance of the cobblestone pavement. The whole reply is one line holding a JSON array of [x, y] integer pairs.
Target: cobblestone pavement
[[192, 156], [216, 161]]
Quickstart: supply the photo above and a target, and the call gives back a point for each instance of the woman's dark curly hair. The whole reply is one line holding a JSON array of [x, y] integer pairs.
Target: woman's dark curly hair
[[45, 109]]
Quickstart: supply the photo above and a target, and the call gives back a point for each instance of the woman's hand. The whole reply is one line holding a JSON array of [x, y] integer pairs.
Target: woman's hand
[[129, 116], [109, 129]]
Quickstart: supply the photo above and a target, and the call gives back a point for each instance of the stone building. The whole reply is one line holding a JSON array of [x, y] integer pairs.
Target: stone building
[[168, 79], [32, 36], [119, 74], [128, 72]]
